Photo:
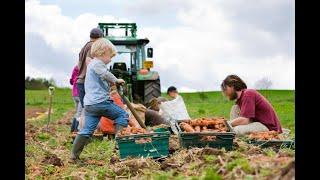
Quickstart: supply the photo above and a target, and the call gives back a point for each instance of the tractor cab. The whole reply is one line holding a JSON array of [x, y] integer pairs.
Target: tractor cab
[[131, 62]]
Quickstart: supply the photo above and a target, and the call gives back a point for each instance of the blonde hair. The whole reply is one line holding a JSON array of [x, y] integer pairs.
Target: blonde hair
[[101, 46]]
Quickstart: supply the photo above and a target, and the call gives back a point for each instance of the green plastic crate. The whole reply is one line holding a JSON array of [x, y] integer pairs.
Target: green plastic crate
[[202, 139], [276, 144], [130, 147]]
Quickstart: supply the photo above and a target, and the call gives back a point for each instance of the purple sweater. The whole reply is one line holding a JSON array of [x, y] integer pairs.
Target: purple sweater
[[73, 81]]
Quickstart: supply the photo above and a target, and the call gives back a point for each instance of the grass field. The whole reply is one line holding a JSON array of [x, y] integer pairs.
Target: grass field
[[40, 144], [198, 104]]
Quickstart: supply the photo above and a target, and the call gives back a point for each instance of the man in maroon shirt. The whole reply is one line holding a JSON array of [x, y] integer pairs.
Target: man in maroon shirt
[[255, 112]]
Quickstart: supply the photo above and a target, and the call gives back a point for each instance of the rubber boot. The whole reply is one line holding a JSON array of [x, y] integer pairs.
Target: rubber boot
[[118, 128], [74, 125], [78, 146]]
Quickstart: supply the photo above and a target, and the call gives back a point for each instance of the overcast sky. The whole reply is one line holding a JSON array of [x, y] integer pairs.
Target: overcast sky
[[196, 43]]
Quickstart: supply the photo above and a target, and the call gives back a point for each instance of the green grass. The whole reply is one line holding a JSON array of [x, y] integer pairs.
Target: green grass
[[200, 104]]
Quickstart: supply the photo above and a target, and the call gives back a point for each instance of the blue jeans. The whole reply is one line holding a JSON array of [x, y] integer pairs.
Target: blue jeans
[[107, 109], [81, 92]]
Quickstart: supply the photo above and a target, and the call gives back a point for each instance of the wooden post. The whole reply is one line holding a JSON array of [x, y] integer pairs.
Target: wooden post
[[51, 89]]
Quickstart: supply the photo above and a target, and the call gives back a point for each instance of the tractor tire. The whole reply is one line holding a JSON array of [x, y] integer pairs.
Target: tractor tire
[[152, 89]]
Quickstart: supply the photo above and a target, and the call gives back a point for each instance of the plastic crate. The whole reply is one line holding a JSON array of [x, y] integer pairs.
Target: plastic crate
[[203, 139], [129, 146], [276, 144]]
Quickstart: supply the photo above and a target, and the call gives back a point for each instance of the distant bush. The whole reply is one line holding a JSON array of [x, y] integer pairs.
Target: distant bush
[[38, 83], [201, 111], [203, 96]]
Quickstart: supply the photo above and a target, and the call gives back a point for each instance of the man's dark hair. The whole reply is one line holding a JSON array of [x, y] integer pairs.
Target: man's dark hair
[[172, 89], [233, 81]]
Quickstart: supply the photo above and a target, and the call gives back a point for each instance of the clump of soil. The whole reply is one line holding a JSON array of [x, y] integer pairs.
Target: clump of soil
[[174, 144], [135, 166], [30, 131], [254, 150], [114, 159], [52, 159], [32, 112], [288, 172], [210, 151], [50, 129]]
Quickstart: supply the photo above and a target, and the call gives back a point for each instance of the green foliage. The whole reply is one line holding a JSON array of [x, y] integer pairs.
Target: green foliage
[[38, 83], [201, 111], [43, 136], [210, 158], [269, 152], [50, 169], [203, 96], [211, 174], [241, 163]]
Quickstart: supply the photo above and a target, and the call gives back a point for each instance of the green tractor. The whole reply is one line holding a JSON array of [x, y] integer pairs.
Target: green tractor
[[133, 63]]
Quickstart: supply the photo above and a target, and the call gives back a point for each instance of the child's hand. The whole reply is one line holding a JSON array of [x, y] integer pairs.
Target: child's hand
[[120, 81]]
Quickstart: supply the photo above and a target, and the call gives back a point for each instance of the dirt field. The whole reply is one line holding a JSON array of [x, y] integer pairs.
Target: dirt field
[[47, 154]]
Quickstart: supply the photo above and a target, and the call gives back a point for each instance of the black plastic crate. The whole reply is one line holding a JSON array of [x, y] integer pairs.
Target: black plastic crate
[[203, 139], [275, 144]]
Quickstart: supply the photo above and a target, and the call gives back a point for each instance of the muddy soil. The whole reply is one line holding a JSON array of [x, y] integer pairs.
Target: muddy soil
[[32, 112], [67, 118], [52, 159]]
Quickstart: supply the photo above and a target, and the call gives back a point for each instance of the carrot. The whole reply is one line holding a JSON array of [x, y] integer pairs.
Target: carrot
[[267, 135], [186, 127], [134, 123], [132, 130], [197, 128], [216, 124]]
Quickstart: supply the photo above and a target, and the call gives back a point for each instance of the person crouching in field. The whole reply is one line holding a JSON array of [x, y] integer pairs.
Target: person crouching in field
[[97, 100], [252, 111]]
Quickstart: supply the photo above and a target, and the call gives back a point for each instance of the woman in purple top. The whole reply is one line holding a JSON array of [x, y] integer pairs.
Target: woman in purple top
[[75, 96]]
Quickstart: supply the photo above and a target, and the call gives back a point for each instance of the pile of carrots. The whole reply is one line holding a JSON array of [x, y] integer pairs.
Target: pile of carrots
[[266, 135], [204, 125], [132, 130]]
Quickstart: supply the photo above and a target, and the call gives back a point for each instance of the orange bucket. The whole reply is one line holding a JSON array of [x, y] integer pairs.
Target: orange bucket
[[106, 124]]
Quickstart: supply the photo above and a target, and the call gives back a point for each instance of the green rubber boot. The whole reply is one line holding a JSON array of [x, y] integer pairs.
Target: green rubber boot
[[78, 146], [118, 128]]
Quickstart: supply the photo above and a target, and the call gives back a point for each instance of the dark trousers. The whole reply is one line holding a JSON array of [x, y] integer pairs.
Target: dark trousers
[[81, 92]]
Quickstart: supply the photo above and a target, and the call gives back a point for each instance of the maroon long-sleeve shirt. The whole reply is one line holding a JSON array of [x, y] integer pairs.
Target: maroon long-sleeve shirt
[[257, 108]]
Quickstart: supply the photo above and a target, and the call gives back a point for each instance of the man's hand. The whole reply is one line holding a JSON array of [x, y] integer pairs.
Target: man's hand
[[240, 121], [120, 81]]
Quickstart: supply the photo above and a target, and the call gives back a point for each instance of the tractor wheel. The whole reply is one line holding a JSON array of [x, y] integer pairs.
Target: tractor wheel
[[151, 89]]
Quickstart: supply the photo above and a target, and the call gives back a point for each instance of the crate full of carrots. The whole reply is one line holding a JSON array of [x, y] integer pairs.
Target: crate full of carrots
[[270, 139], [213, 132], [139, 142]]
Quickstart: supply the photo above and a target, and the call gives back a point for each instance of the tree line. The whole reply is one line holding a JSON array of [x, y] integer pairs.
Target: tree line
[[38, 83]]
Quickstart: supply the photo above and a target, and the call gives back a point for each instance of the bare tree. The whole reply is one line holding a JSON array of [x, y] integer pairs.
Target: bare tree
[[264, 83]]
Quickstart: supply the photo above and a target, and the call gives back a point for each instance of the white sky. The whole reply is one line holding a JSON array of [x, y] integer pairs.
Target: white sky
[[196, 43]]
